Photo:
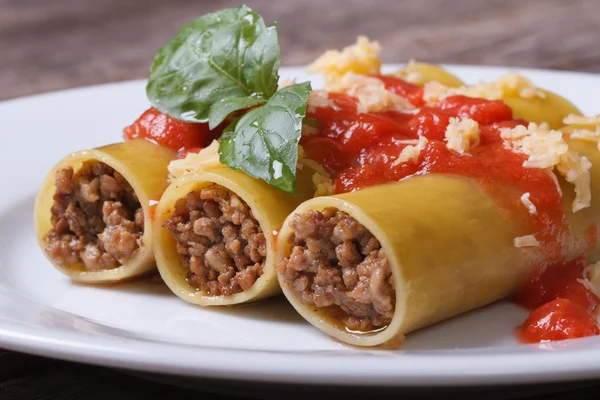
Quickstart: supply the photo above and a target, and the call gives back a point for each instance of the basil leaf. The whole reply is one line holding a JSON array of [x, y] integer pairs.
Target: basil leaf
[[222, 108], [264, 141], [228, 54]]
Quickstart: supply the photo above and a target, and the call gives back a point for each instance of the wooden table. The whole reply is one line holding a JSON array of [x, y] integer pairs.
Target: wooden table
[[50, 45]]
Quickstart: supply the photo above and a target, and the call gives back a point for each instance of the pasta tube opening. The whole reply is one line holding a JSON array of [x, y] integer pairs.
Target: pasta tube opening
[[97, 219], [93, 213], [216, 235], [219, 240], [338, 264]]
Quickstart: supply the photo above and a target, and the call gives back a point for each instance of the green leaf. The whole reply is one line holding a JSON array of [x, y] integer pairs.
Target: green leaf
[[228, 54], [264, 141], [222, 108]]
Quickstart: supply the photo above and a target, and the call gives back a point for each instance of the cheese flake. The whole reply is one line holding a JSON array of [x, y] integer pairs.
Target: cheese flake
[[573, 119], [359, 58], [462, 134], [320, 99], [511, 84], [371, 94], [321, 180], [526, 241], [322, 184], [547, 149], [411, 74], [527, 203], [411, 152], [206, 158]]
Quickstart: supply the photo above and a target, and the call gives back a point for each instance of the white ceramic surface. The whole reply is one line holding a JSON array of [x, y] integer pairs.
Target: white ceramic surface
[[143, 326]]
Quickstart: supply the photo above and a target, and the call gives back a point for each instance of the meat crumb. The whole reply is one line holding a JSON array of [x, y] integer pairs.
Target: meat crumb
[[97, 219], [336, 262], [219, 239]]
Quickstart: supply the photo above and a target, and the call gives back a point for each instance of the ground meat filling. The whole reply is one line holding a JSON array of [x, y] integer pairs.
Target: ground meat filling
[[335, 261], [219, 239], [97, 218]]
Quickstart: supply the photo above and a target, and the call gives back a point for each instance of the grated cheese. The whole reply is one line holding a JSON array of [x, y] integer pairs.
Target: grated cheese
[[323, 185], [462, 134], [511, 84], [207, 158], [371, 94], [576, 170], [320, 99], [359, 58], [527, 203], [411, 153], [543, 147], [573, 119], [514, 84], [547, 149], [587, 135], [552, 175], [526, 241], [410, 74]]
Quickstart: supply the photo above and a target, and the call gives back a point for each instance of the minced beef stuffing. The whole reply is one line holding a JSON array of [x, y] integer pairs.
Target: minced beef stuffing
[[96, 217], [219, 239], [336, 262]]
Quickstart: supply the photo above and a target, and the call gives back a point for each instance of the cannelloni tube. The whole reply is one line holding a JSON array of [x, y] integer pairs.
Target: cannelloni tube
[[215, 235], [369, 266], [94, 209]]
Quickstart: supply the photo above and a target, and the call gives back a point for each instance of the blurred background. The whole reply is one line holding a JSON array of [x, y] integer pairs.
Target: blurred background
[[55, 44]]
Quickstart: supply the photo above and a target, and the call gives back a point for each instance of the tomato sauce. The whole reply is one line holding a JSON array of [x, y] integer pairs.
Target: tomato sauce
[[170, 132], [562, 307]]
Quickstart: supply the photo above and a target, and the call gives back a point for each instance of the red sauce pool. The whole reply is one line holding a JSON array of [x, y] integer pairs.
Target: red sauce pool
[[562, 307]]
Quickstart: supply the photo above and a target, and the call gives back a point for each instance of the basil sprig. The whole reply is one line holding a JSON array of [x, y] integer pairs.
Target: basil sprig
[[264, 141], [225, 62]]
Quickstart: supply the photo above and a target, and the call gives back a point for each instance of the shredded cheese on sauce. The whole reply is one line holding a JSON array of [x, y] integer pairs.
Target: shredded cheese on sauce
[[207, 158], [576, 170], [526, 241], [527, 203], [511, 84], [320, 99], [371, 94], [462, 134], [323, 185], [411, 153], [359, 58], [547, 149]]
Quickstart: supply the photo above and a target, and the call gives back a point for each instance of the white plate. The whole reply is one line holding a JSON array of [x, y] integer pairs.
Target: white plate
[[142, 326]]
